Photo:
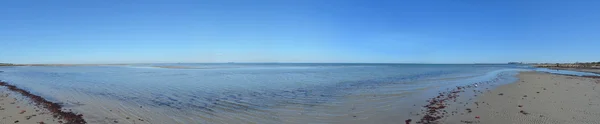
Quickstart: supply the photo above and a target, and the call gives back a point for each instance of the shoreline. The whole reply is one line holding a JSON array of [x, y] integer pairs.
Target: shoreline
[[54, 109], [581, 67], [590, 70], [467, 103], [536, 97]]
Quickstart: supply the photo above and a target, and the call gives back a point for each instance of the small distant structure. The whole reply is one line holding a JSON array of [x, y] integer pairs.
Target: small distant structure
[[515, 63]]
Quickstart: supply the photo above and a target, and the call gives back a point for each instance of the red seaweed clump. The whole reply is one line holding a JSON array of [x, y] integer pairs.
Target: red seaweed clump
[[434, 110], [436, 104], [55, 108]]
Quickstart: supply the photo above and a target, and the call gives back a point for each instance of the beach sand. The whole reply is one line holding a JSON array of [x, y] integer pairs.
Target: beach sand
[[537, 98], [17, 109]]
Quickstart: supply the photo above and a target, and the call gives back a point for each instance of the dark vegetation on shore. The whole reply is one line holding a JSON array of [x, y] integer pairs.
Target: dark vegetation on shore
[[590, 67], [585, 65], [55, 108], [10, 64], [7, 64]]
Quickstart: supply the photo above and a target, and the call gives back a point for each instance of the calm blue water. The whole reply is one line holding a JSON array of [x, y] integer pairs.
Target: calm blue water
[[224, 93]]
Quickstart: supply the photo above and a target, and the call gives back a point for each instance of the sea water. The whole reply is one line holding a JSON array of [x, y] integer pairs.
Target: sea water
[[237, 93]]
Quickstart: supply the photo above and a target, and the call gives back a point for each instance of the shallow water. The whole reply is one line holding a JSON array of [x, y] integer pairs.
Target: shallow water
[[566, 72], [238, 93]]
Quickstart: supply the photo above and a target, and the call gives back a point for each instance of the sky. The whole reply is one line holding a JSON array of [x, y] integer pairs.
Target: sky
[[322, 31]]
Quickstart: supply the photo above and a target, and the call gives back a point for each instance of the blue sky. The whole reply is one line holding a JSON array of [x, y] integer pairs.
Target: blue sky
[[386, 31]]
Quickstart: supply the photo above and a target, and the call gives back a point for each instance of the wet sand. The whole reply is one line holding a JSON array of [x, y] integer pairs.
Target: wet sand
[[537, 98]]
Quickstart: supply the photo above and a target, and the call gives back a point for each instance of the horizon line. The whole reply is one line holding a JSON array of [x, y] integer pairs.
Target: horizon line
[[242, 63]]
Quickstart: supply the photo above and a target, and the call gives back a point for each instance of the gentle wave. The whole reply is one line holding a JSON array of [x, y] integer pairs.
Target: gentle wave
[[234, 93]]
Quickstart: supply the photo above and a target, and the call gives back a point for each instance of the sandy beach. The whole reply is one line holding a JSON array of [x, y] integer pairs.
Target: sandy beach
[[537, 98], [20, 106], [15, 109]]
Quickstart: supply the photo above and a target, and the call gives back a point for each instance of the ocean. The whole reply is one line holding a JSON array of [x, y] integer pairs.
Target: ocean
[[245, 92]]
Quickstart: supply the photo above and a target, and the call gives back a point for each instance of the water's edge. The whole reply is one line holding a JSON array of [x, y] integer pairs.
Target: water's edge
[[328, 102]]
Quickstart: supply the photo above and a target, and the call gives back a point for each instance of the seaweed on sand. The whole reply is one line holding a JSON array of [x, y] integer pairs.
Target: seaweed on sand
[[55, 108]]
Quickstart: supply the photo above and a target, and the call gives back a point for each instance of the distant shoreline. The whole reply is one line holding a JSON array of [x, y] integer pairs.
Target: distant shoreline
[[58, 64], [591, 65]]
